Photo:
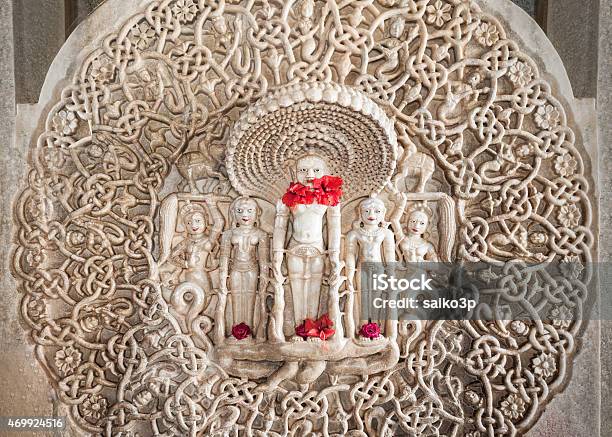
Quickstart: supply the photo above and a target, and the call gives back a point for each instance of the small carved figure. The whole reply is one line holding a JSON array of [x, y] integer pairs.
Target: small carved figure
[[207, 161], [306, 29], [369, 242], [244, 261], [415, 163], [413, 246], [392, 49], [187, 260]]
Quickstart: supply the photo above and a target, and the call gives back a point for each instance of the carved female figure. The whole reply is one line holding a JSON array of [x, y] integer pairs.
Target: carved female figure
[[187, 260], [306, 249], [244, 260], [413, 246], [369, 241]]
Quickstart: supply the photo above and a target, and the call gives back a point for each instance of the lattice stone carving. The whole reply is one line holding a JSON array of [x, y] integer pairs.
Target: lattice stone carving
[[481, 140]]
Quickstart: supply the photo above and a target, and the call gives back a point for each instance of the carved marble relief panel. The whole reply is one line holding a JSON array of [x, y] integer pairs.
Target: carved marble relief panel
[[208, 187]]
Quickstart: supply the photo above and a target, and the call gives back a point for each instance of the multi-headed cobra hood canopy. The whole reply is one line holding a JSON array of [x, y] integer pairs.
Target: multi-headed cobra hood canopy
[[341, 124]]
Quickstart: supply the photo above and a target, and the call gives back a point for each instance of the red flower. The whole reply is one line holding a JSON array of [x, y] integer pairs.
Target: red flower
[[300, 330], [370, 330], [241, 331], [321, 328], [330, 190], [325, 191], [298, 194]]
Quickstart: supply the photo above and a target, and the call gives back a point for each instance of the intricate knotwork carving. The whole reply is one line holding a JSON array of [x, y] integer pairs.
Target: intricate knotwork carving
[[168, 89]]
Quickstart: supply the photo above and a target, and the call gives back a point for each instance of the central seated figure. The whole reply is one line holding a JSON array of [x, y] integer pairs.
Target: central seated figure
[[314, 196]]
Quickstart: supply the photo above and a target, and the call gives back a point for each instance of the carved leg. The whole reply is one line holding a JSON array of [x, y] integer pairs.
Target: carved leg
[[296, 267], [333, 307], [219, 330], [243, 286], [349, 312], [275, 329], [313, 286], [305, 275], [192, 184]]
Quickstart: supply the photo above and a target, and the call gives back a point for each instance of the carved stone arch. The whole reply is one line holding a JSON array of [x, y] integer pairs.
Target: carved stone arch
[[122, 108]]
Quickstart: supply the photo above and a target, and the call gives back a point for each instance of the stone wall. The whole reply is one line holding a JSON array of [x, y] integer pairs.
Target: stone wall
[[604, 110]]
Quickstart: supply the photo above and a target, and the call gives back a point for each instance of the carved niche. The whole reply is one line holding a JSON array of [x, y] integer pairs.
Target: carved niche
[[166, 282]]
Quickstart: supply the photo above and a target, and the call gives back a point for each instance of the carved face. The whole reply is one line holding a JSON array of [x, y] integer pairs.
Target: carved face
[[417, 223], [307, 9], [220, 25], [195, 223], [372, 212], [245, 212], [397, 27], [309, 168]]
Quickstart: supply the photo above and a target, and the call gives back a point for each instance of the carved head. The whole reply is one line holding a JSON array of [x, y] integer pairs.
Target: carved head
[[307, 8], [309, 167], [194, 219], [397, 27], [219, 24], [372, 211], [418, 220], [244, 211]]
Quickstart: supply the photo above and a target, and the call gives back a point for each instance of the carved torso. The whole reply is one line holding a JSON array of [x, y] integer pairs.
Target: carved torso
[[196, 252], [370, 244], [244, 248], [308, 225], [417, 250]]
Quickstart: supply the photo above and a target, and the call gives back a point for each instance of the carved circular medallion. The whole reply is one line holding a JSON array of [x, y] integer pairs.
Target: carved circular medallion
[[471, 112], [342, 125]]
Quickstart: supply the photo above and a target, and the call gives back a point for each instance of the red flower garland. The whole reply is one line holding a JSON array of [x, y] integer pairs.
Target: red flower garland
[[324, 191], [321, 328]]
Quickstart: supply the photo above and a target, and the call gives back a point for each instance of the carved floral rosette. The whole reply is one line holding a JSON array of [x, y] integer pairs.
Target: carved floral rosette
[[455, 87]]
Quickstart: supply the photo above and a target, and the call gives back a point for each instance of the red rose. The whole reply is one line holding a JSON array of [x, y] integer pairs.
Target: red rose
[[241, 331], [324, 334], [311, 328], [370, 330]]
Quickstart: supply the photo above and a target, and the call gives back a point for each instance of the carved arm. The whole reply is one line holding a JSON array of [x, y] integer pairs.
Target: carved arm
[[333, 236], [278, 238], [263, 253], [351, 258], [224, 257], [217, 218], [396, 217]]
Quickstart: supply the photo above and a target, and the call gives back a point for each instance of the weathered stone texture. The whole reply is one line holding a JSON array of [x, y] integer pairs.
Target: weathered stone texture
[[40, 31], [572, 28], [604, 110]]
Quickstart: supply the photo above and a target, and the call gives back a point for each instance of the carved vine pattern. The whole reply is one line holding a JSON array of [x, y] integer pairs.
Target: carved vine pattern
[[455, 85]]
